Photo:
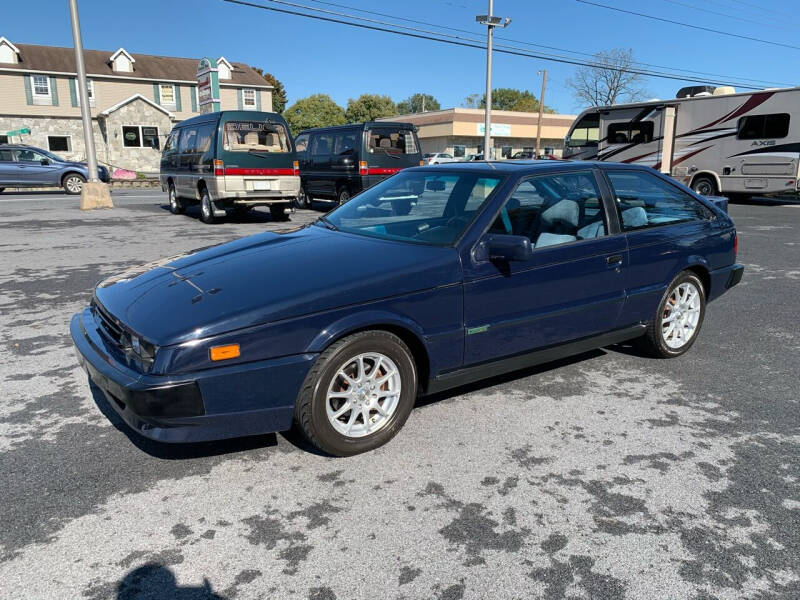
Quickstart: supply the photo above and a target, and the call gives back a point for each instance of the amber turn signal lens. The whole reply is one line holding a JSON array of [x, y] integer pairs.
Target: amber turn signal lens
[[224, 352]]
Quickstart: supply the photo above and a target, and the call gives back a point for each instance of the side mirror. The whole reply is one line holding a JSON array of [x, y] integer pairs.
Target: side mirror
[[503, 247], [45, 161]]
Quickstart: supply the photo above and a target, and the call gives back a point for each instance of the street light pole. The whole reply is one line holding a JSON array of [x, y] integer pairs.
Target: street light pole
[[86, 115], [491, 22], [543, 73]]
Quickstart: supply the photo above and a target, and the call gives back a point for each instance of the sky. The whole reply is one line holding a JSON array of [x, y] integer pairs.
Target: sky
[[311, 56]]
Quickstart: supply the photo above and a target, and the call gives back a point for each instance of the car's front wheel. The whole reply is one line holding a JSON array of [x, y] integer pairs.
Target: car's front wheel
[[358, 394], [679, 317], [73, 183]]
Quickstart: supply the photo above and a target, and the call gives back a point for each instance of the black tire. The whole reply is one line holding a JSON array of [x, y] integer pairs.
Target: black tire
[[310, 409], [303, 200], [705, 186], [73, 183], [280, 212], [342, 195], [1, 190], [653, 340], [176, 205], [206, 207]]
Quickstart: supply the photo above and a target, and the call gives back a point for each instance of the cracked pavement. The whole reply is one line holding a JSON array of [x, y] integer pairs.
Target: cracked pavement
[[608, 475]]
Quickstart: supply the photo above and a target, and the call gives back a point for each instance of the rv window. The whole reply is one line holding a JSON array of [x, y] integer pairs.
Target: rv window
[[759, 127], [634, 132], [586, 132]]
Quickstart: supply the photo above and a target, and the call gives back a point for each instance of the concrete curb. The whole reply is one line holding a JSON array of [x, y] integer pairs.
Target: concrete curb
[[114, 185]]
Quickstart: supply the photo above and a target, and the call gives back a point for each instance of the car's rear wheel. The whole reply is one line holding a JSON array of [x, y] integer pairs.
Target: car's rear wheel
[[73, 183], [279, 212], [343, 195], [705, 186], [680, 314], [303, 200], [358, 394], [206, 207], [176, 206]]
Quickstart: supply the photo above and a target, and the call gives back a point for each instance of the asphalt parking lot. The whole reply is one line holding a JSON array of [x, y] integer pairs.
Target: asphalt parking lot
[[608, 475]]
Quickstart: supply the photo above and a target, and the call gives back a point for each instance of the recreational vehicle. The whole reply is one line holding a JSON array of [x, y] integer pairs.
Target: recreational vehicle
[[711, 139]]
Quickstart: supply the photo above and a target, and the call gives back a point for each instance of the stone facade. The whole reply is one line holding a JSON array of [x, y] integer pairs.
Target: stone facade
[[108, 137]]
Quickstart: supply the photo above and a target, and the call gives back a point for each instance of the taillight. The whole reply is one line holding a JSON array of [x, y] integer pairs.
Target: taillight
[[296, 167], [735, 244], [363, 168], [219, 167]]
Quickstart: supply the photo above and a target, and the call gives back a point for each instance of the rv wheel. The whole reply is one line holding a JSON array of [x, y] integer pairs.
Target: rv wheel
[[705, 186]]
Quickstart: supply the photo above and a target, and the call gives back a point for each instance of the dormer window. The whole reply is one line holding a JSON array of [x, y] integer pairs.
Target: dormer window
[[224, 68], [122, 61], [9, 53]]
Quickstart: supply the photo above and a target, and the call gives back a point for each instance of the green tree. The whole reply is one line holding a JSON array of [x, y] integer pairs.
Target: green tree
[[278, 91], [472, 101], [318, 110], [368, 107], [417, 103], [511, 99]]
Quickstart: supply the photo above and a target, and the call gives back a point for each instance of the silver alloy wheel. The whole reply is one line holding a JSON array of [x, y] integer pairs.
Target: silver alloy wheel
[[74, 184], [681, 315], [363, 395], [205, 206]]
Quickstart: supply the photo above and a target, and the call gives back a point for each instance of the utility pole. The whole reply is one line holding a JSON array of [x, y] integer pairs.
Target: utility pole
[[543, 73], [491, 22], [94, 194]]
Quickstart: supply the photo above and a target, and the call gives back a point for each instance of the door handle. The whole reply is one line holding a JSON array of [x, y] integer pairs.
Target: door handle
[[614, 260]]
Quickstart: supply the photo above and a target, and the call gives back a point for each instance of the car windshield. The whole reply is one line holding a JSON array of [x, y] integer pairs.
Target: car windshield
[[416, 206], [256, 137]]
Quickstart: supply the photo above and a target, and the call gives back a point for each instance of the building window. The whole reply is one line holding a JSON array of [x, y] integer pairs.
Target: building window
[[89, 91], [42, 94], [59, 143], [136, 136], [506, 151], [167, 93], [459, 151], [249, 99], [3, 139]]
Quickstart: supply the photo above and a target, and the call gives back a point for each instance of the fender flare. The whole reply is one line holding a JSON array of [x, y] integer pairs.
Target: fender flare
[[371, 319]]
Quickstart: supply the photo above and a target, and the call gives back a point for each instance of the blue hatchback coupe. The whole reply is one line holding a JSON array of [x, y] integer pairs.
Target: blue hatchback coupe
[[434, 278]]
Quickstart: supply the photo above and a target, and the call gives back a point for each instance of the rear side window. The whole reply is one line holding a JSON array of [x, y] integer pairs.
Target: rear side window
[[188, 141], [255, 136], [759, 127], [6, 156], [644, 200], [635, 132], [391, 140], [322, 144], [345, 143]]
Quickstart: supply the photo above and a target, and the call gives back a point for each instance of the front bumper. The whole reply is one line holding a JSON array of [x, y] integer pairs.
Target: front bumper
[[213, 404]]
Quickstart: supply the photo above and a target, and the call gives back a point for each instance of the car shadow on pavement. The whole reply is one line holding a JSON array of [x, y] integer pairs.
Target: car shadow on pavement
[[154, 580], [251, 216], [767, 201], [56, 191], [178, 451]]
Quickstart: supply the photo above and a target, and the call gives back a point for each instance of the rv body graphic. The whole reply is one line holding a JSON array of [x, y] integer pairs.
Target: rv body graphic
[[730, 144]]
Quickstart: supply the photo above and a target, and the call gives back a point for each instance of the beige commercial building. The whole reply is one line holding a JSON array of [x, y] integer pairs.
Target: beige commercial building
[[459, 131], [135, 100]]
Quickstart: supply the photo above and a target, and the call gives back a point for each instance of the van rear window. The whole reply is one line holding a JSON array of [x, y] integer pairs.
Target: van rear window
[[392, 141], [255, 136]]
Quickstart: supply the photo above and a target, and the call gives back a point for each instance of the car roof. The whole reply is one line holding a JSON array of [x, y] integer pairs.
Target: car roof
[[21, 146], [365, 125], [525, 167]]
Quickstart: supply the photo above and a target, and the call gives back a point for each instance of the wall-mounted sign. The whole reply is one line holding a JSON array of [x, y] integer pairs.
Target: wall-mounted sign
[[130, 136], [207, 85], [496, 129]]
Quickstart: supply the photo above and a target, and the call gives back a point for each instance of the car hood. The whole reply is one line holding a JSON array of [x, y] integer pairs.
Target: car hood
[[268, 277]]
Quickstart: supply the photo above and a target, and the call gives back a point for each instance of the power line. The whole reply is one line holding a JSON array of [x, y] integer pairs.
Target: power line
[[476, 43], [765, 9], [728, 33], [726, 15], [526, 43]]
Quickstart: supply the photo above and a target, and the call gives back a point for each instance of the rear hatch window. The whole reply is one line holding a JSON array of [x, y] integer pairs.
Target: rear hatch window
[[391, 140], [255, 137]]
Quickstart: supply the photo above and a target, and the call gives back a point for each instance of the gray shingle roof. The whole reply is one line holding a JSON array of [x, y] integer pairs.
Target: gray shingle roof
[[52, 58]]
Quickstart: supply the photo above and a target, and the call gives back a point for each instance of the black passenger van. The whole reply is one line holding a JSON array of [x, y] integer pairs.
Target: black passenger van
[[338, 162], [231, 160]]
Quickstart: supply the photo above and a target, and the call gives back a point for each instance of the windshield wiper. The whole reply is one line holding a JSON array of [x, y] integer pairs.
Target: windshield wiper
[[327, 224]]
